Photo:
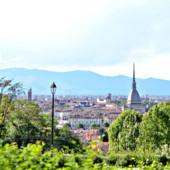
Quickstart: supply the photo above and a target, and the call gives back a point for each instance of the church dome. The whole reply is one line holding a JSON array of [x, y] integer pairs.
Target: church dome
[[133, 97]]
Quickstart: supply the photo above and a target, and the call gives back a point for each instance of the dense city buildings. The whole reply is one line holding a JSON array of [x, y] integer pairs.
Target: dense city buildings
[[66, 106]]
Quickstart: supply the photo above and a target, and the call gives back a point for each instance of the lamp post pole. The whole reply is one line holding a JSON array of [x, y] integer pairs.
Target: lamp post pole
[[52, 132], [53, 90]]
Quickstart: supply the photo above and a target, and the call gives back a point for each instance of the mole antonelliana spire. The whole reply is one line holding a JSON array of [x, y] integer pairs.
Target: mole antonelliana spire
[[134, 82], [134, 101]]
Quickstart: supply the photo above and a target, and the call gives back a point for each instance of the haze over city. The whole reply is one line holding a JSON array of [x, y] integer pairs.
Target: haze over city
[[105, 37]]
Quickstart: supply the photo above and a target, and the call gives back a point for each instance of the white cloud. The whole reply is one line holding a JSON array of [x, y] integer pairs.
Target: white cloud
[[42, 19], [141, 55], [159, 26], [157, 67], [15, 59], [37, 19]]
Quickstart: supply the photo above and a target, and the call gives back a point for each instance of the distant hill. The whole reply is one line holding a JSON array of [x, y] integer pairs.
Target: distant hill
[[83, 82]]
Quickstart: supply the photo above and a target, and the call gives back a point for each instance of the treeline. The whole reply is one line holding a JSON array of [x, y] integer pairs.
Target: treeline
[[133, 131]]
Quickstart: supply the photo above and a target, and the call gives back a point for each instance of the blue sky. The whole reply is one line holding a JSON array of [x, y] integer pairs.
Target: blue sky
[[104, 36]]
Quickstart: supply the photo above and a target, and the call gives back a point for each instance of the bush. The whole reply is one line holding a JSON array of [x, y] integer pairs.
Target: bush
[[163, 159], [112, 159], [61, 162], [126, 161], [66, 125], [163, 154], [78, 159], [147, 159], [97, 159]]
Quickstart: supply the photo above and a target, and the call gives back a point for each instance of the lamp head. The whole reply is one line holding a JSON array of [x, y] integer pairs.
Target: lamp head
[[53, 88]]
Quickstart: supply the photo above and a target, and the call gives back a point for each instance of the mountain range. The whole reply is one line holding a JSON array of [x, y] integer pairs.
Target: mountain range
[[83, 82]]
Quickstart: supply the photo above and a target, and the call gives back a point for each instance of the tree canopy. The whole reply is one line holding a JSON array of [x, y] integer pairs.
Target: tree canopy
[[8, 90], [64, 138], [66, 125], [100, 131], [144, 103], [106, 124], [103, 134], [124, 131], [27, 125], [155, 127], [94, 125], [80, 126]]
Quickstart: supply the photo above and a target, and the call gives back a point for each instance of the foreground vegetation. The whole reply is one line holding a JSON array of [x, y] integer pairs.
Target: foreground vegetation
[[33, 157]]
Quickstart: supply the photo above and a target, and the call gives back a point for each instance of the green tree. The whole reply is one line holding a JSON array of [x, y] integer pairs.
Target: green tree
[[94, 125], [66, 125], [45, 133], [27, 125], [104, 137], [65, 138], [155, 127], [100, 131], [144, 103], [106, 124], [103, 134], [152, 103], [6, 108], [123, 102], [100, 113], [24, 126], [80, 126], [8, 90], [124, 132]]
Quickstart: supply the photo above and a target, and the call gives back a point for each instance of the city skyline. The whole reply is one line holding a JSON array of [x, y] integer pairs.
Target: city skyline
[[105, 37]]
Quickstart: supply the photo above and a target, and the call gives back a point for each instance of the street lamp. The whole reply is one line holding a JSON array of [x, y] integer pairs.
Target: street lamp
[[53, 90]]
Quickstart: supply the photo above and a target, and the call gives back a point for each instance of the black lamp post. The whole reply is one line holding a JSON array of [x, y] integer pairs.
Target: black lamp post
[[53, 90]]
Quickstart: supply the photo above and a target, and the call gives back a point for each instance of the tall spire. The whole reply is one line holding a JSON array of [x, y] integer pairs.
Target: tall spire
[[134, 83]]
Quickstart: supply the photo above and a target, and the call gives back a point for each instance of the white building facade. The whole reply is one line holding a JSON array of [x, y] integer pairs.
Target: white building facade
[[74, 120]]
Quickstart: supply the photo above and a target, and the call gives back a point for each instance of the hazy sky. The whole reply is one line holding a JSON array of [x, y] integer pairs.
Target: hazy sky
[[104, 36]]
